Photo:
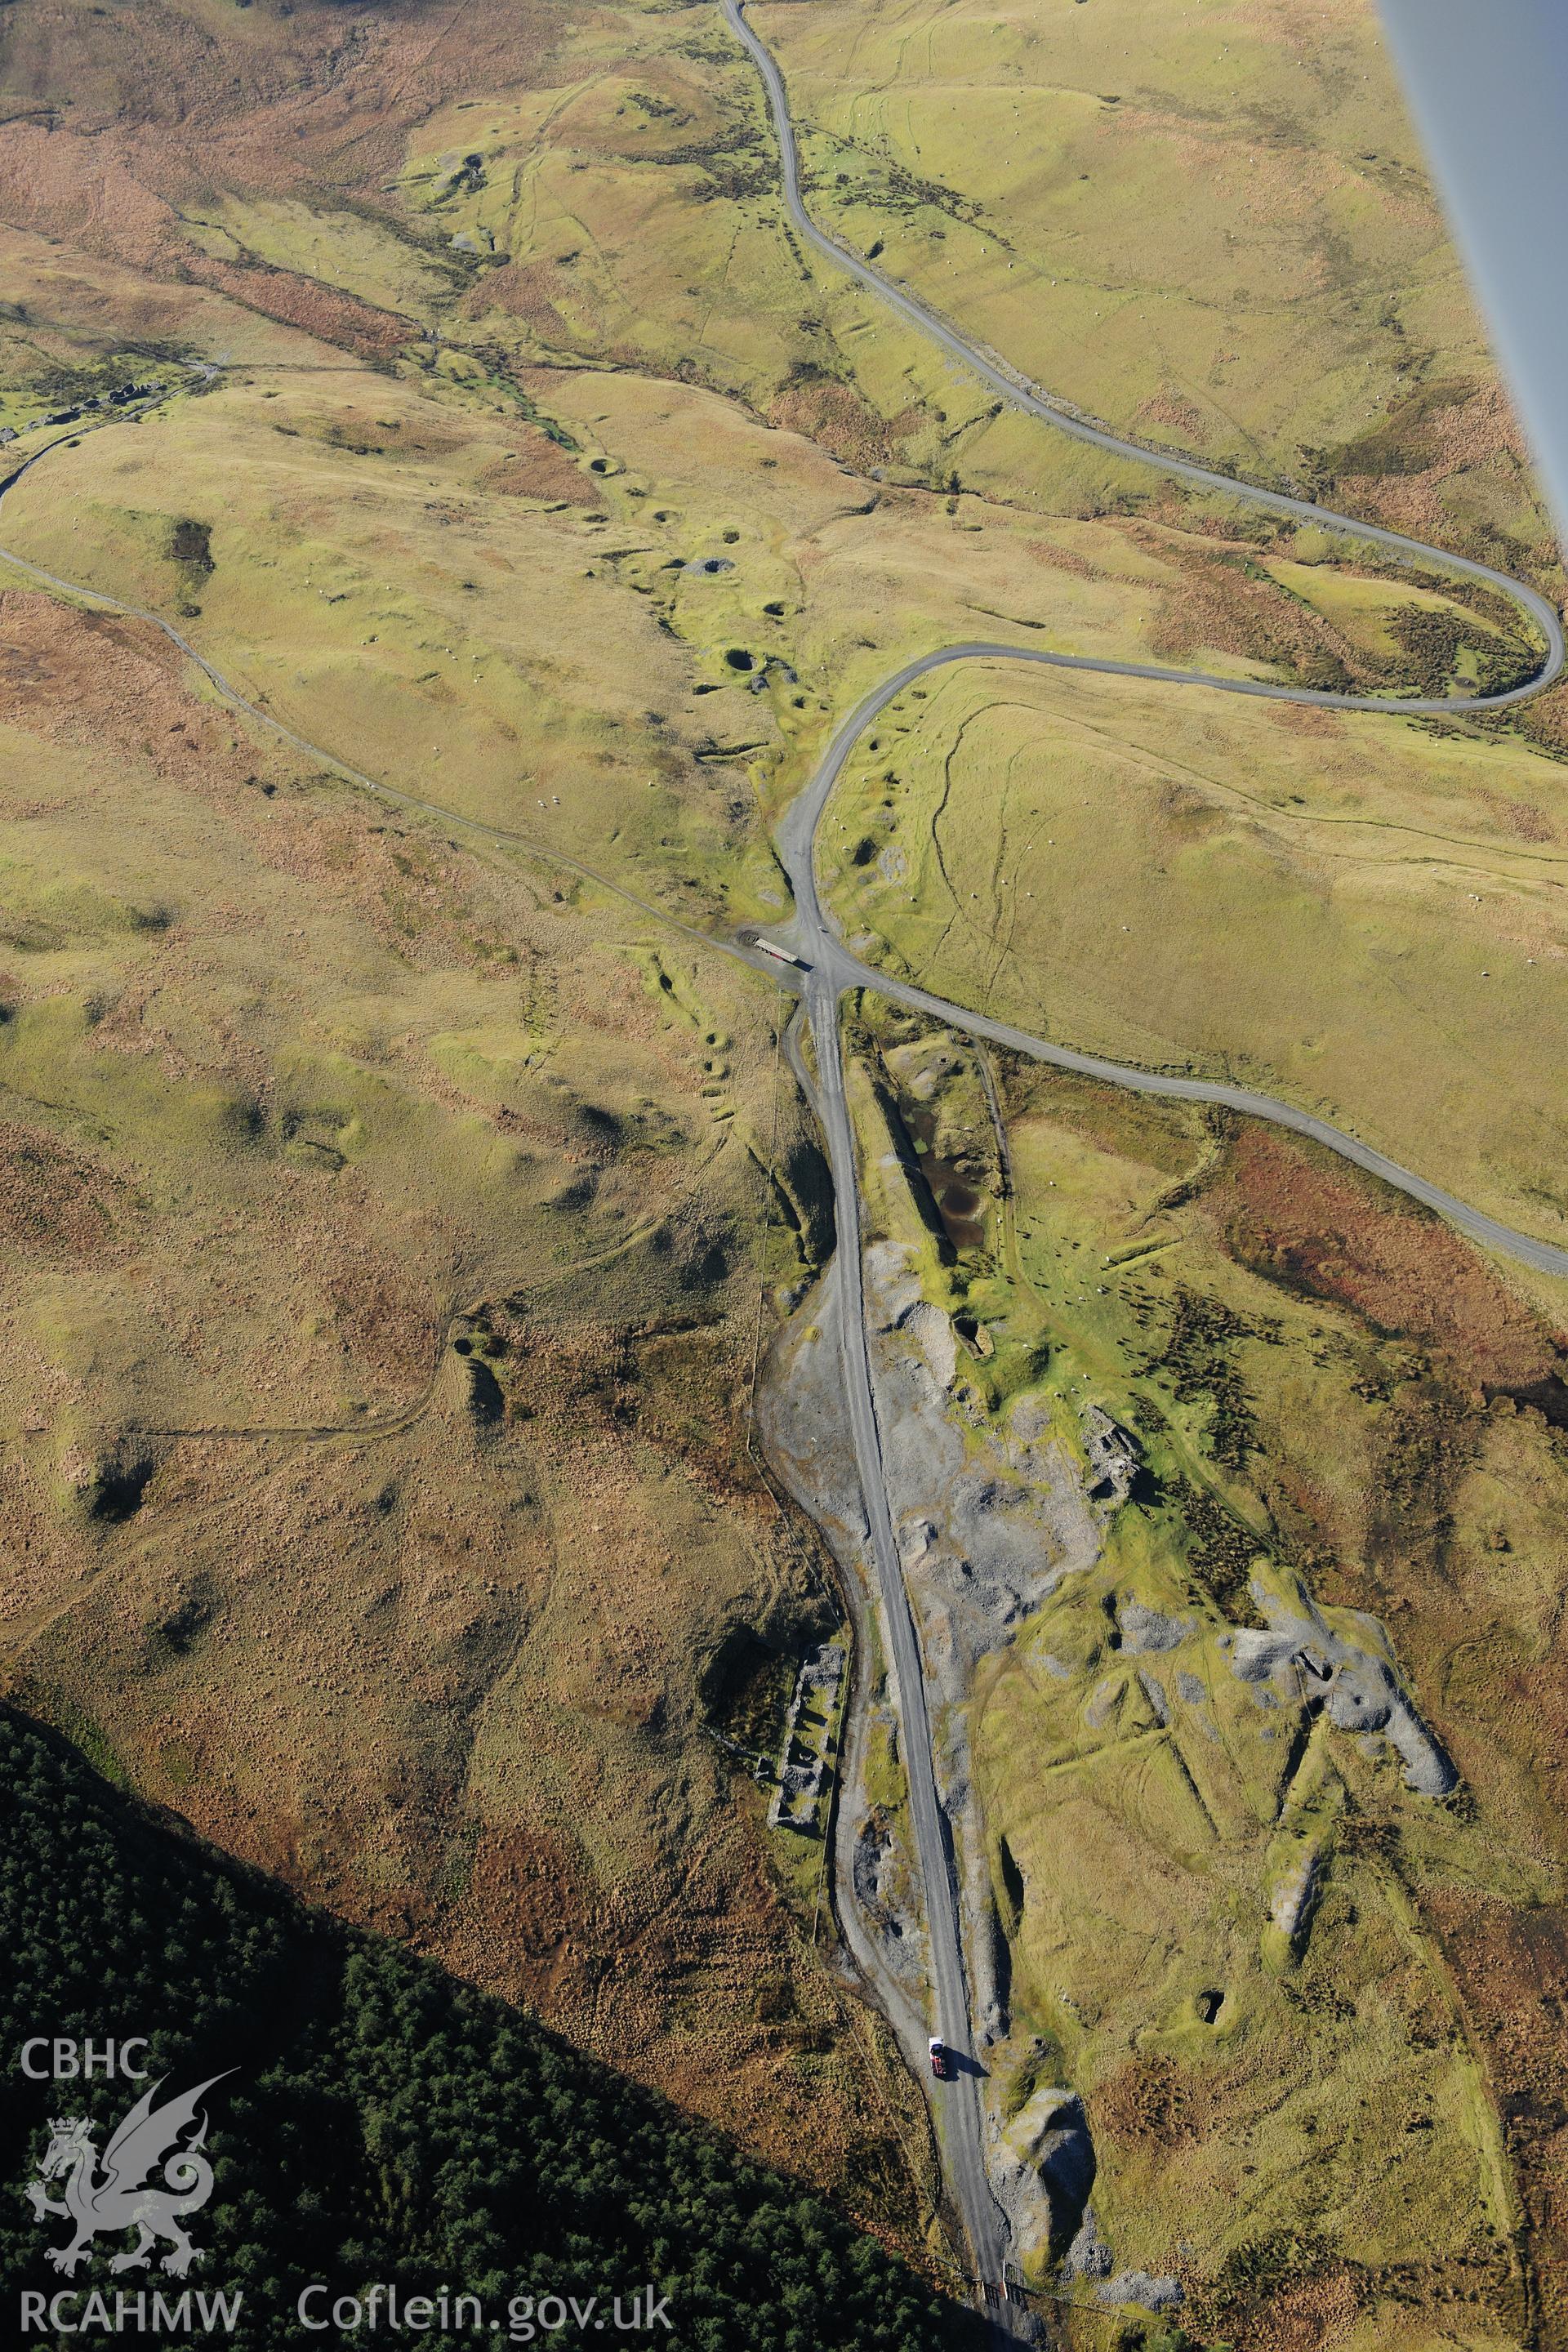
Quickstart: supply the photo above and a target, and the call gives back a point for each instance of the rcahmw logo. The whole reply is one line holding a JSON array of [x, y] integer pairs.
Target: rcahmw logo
[[151, 2176]]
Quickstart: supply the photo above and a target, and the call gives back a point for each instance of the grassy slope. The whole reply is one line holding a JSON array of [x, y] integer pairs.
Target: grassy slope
[[1396, 1515], [409, 586], [1325, 2151], [314, 1123], [1342, 909], [452, 1636], [456, 1567], [413, 573], [1208, 224]]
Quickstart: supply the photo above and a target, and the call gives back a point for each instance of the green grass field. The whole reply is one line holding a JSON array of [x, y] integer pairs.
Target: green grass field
[[611, 615], [1348, 910], [1208, 224]]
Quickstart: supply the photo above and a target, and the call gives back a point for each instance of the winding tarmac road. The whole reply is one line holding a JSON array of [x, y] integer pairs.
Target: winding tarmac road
[[832, 970], [833, 965], [1019, 393]]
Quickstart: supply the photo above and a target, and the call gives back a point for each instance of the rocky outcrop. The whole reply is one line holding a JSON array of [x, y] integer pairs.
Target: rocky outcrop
[[1343, 1665], [932, 1334], [1044, 2170], [1144, 1629], [1140, 2288]]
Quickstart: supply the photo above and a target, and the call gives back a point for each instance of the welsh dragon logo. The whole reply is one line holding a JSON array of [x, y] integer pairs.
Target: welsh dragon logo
[[118, 2194]]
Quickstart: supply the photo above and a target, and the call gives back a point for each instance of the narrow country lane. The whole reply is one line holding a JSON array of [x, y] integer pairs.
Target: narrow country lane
[[833, 970]]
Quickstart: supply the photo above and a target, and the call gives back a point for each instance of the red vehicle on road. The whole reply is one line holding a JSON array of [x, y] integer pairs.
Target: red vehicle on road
[[939, 2059]]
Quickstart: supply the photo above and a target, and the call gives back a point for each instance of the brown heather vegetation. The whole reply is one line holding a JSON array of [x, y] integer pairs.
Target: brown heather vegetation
[[1306, 1218], [341, 1512], [165, 105], [381, 1262]]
